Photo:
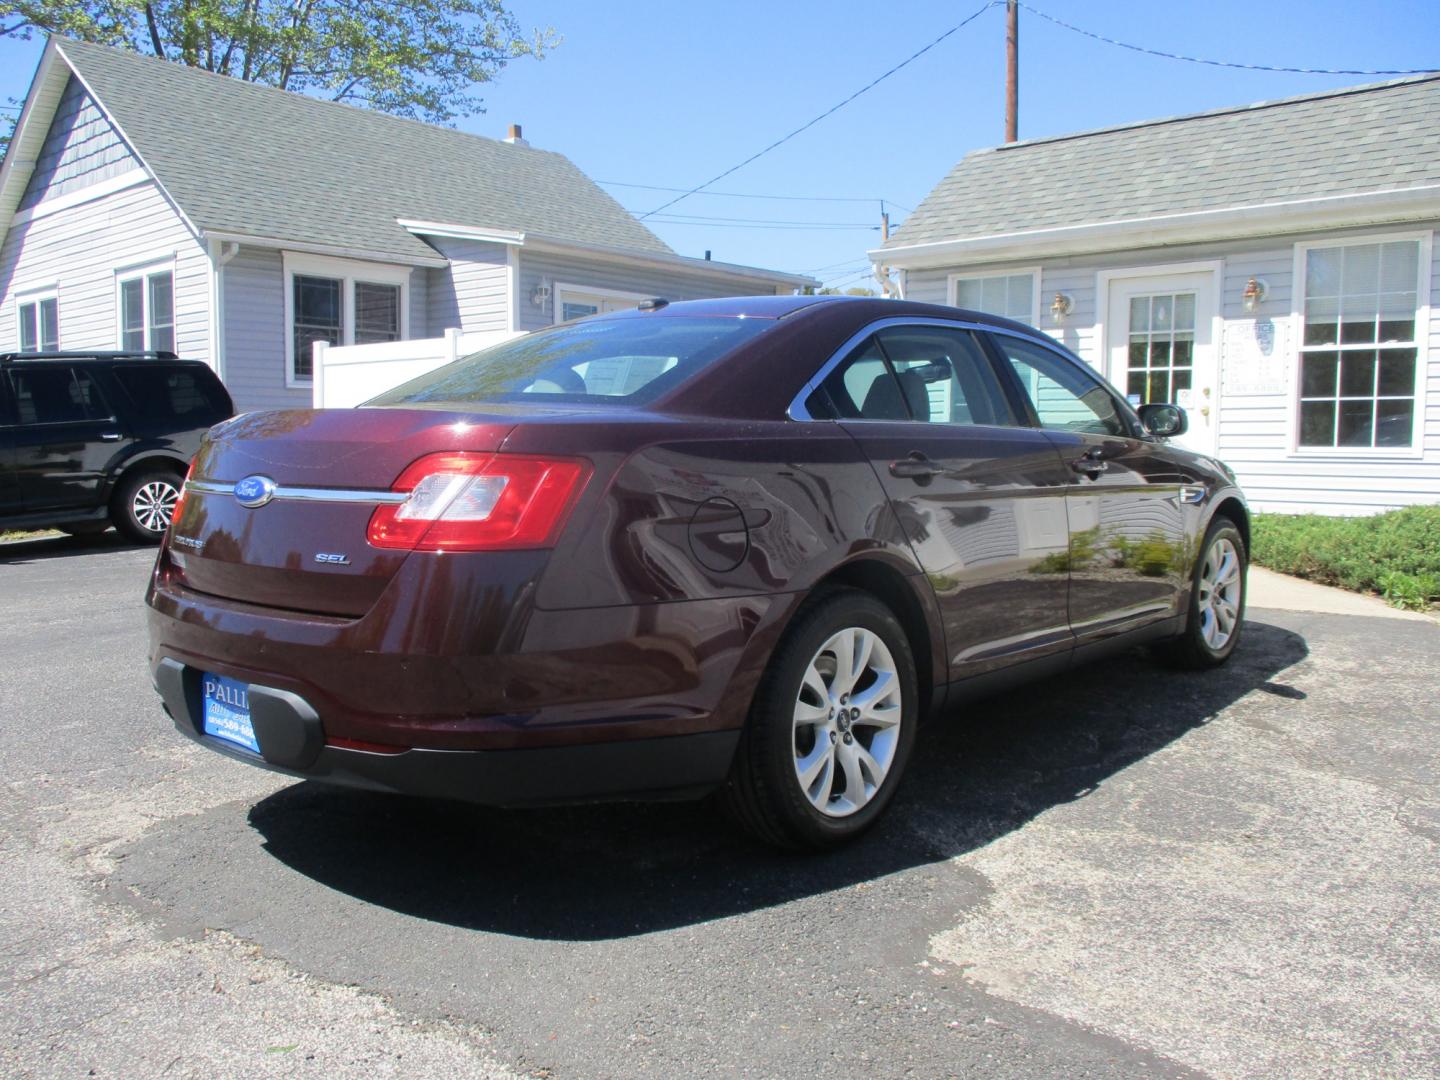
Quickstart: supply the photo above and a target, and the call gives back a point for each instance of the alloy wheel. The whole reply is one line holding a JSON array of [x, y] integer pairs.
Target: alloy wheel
[[847, 722], [1220, 585], [154, 505]]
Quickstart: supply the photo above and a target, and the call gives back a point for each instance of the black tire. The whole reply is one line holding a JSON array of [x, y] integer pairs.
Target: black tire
[[143, 503], [1198, 646], [765, 793]]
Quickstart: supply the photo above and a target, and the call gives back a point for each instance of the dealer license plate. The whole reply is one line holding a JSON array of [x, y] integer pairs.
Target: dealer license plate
[[227, 711]]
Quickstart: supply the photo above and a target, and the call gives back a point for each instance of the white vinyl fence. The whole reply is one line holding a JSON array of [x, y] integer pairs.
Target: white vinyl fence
[[346, 375]]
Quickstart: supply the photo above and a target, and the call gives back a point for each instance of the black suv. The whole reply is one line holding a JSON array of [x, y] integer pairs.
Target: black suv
[[91, 439]]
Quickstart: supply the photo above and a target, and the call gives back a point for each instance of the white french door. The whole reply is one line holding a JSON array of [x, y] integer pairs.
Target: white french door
[[1160, 346]]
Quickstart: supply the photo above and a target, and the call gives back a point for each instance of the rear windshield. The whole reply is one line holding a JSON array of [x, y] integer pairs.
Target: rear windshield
[[631, 360]]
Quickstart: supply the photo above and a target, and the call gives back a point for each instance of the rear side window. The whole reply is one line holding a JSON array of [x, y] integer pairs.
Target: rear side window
[[630, 360], [923, 373], [165, 392], [52, 394]]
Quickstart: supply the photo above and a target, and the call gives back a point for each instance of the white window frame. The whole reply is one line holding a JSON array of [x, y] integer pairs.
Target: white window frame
[[35, 296], [144, 271], [348, 272], [952, 290], [559, 289], [1416, 449]]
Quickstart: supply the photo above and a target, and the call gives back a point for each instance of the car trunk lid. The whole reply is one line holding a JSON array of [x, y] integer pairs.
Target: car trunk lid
[[312, 479]]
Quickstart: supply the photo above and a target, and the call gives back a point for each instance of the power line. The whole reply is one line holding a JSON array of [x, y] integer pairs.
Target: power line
[[776, 228], [1217, 63], [744, 195], [828, 112], [770, 221]]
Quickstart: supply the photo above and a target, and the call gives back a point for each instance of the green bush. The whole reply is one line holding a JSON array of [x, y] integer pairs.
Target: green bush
[[1396, 554]]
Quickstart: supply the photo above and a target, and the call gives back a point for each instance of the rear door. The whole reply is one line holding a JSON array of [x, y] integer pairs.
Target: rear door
[[980, 496], [1128, 553], [67, 434]]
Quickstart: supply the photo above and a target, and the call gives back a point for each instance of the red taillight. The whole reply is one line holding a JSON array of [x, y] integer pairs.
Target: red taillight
[[479, 502], [180, 499]]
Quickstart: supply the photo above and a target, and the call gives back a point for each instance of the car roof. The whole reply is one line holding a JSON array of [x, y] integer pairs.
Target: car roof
[[80, 355], [786, 307]]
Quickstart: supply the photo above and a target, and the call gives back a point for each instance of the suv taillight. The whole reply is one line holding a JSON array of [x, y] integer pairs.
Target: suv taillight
[[479, 502], [180, 499]]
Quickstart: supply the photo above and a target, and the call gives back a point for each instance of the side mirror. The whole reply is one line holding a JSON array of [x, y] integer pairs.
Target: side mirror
[[1164, 421]]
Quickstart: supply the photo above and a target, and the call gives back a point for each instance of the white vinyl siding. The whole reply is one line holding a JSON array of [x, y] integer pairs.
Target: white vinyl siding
[[472, 294], [77, 251], [537, 268]]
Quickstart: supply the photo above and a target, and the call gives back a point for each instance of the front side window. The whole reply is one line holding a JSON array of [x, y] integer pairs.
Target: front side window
[[147, 312], [39, 324], [1010, 295], [1065, 398], [1359, 346], [52, 394]]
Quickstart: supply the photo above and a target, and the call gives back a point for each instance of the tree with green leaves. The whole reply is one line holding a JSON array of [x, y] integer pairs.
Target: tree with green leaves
[[417, 58]]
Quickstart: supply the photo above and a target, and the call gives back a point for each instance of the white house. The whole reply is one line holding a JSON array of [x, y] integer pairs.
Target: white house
[[148, 205], [1270, 267]]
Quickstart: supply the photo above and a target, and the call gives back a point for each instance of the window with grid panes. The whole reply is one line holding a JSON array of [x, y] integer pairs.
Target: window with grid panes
[[1162, 347], [1359, 347]]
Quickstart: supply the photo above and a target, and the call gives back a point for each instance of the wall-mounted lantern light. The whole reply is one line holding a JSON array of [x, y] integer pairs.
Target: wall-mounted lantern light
[[1061, 306], [1254, 294]]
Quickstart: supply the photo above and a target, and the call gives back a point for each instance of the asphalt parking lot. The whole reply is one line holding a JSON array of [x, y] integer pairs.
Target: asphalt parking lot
[[1127, 873]]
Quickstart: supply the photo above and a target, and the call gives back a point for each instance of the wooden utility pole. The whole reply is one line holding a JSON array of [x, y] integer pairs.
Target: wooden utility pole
[[1012, 71]]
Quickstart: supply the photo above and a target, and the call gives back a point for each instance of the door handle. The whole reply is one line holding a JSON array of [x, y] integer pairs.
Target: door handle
[[916, 467], [109, 436], [1091, 463]]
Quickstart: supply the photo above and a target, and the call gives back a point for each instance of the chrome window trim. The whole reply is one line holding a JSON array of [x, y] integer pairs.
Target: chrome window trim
[[797, 409], [303, 494]]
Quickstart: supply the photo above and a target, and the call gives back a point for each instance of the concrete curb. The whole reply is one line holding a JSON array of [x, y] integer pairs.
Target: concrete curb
[[1280, 591]]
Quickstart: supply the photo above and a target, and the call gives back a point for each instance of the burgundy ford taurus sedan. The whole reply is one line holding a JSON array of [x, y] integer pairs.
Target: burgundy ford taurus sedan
[[741, 544]]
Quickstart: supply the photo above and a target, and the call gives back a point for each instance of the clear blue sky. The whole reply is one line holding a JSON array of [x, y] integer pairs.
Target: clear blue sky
[[672, 94]]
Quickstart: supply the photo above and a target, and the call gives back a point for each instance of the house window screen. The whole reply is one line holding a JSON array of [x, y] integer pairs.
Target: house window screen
[[319, 316], [1009, 295], [147, 312], [1359, 352], [377, 312], [40, 325]]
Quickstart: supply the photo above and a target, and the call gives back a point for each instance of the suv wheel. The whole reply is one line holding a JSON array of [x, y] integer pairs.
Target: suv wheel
[[144, 504], [831, 728]]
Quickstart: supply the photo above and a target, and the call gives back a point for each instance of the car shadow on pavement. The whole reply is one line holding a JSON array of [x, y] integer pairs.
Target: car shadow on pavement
[[602, 872], [64, 547]]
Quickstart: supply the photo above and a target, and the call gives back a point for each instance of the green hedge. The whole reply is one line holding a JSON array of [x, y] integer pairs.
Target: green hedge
[[1396, 554]]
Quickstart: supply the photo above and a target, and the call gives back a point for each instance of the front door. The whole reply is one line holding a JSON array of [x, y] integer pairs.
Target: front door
[[1161, 347], [981, 498], [1128, 559]]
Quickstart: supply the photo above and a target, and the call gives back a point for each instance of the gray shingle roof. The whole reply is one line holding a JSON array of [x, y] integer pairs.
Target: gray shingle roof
[[250, 159], [1366, 138]]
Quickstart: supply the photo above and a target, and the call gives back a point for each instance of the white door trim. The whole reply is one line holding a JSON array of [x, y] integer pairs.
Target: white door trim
[[1106, 279]]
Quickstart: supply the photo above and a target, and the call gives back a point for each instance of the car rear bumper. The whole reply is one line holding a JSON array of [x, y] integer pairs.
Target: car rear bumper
[[292, 741]]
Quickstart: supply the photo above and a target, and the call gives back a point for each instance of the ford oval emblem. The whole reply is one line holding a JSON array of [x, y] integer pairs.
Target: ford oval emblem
[[254, 491]]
